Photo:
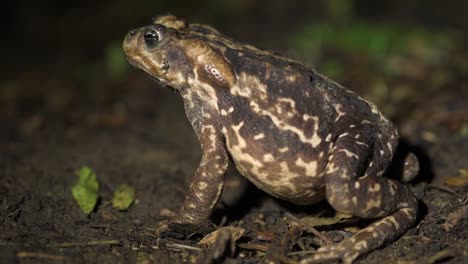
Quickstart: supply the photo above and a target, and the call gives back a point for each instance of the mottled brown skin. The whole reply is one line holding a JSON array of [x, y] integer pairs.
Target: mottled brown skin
[[290, 130]]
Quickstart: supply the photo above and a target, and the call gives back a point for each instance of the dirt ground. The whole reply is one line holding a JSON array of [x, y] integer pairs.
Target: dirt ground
[[62, 112]]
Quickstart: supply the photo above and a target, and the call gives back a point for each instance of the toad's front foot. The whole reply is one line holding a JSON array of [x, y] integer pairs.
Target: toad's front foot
[[184, 228]]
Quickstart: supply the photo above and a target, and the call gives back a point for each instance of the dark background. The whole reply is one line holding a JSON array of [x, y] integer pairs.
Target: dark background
[[68, 98], [37, 30]]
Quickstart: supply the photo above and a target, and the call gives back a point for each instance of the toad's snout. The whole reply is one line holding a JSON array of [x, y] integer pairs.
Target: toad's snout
[[130, 41], [131, 33]]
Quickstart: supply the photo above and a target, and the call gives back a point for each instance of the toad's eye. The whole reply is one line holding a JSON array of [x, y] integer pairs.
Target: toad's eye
[[151, 37]]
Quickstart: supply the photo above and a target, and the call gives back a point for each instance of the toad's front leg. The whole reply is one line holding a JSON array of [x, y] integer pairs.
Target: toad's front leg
[[207, 184]]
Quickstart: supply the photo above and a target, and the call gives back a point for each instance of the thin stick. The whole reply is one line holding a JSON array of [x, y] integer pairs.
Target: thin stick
[[87, 244], [182, 246], [252, 246], [445, 189], [304, 252], [152, 235], [39, 255], [223, 222], [309, 228]]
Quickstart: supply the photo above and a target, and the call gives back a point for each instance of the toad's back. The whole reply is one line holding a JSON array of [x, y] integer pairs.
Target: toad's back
[[281, 123]]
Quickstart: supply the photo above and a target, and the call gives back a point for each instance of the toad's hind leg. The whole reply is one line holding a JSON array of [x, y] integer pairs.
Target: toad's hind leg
[[354, 188]]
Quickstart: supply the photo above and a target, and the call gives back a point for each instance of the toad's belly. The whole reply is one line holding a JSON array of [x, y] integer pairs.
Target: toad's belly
[[277, 160], [279, 177]]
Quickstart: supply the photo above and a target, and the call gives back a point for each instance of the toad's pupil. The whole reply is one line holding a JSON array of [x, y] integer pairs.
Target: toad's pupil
[[151, 37]]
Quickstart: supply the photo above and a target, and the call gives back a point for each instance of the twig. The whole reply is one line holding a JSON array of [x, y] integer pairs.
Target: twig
[[152, 235], [445, 189], [441, 255], [256, 247], [223, 222], [182, 246], [280, 247], [303, 252], [39, 255], [309, 228], [87, 244], [105, 226], [284, 259]]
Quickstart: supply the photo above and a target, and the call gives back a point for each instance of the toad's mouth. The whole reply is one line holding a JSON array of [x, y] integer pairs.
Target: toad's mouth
[[139, 63], [160, 81]]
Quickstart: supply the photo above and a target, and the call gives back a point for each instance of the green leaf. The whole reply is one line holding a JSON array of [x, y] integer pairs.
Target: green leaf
[[85, 191], [123, 197]]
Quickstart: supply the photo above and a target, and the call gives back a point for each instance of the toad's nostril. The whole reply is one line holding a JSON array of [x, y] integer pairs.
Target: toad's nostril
[[131, 34]]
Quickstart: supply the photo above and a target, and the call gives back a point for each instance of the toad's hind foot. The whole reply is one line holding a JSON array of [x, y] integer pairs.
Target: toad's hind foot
[[371, 237], [183, 228], [192, 228]]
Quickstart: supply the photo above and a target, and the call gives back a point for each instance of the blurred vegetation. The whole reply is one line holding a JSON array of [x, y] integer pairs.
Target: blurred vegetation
[[339, 11], [378, 42], [383, 62], [116, 62]]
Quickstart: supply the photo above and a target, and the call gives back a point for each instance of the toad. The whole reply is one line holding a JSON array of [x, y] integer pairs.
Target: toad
[[288, 129]]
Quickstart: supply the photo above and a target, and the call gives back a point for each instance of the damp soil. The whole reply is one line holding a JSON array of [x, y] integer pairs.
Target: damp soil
[[64, 112]]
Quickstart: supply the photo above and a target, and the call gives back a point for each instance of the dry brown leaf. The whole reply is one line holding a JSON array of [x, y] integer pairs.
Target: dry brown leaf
[[342, 215], [352, 229], [263, 235], [461, 180], [321, 221], [254, 246], [167, 213], [209, 240], [454, 218], [107, 216]]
